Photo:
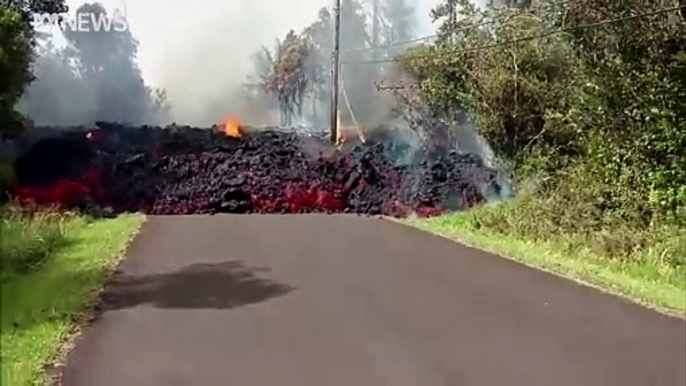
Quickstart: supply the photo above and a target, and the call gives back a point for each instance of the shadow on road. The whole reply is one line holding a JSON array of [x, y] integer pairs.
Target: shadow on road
[[215, 286]]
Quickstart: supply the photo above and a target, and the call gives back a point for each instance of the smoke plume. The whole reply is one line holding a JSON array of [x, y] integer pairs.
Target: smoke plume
[[200, 53]]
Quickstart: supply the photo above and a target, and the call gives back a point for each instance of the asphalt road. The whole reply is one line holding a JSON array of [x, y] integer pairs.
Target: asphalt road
[[342, 300]]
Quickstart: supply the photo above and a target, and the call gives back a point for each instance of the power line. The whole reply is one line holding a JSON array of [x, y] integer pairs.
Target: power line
[[428, 37], [350, 110], [396, 44], [534, 37]]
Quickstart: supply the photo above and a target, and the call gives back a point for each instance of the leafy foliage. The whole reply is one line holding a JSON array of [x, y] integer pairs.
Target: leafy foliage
[[15, 56], [321, 46], [594, 115], [286, 77], [17, 39]]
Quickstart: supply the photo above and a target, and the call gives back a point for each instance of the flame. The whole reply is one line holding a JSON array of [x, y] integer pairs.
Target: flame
[[340, 136], [345, 133], [231, 127]]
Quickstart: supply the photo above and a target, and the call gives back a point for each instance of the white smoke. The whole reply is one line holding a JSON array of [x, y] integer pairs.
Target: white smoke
[[200, 51]]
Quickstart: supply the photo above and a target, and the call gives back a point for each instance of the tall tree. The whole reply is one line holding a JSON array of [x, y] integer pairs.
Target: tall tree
[[452, 15], [17, 39], [320, 35], [107, 61], [401, 20], [96, 77], [287, 79]]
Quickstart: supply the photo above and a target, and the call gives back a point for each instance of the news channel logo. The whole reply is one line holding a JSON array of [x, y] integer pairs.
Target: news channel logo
[[112, 18]]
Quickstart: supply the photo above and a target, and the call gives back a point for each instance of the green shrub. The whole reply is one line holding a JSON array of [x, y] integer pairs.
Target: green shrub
[[591, 118], [571, 219], [15, 66]]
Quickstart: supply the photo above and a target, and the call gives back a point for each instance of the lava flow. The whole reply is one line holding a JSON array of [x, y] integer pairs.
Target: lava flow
[[182, 170]]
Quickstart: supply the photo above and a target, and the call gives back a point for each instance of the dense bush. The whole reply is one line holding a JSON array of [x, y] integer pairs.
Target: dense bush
[[591, 120], [593, 115]]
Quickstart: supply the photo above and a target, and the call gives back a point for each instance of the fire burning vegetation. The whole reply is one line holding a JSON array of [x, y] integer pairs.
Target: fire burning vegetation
[[183, 170]]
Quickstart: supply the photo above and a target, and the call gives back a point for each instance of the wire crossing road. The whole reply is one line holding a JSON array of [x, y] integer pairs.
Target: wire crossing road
[[354, 301]]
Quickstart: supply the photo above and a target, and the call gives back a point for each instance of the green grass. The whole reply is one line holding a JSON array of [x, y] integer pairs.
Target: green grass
[[68, 258], [28, 239], [654, 275]]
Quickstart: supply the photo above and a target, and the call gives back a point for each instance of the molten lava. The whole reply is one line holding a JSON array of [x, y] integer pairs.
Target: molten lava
[[231, 127]]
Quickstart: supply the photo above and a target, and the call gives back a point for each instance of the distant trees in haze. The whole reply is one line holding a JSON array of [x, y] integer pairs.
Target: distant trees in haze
[[298, 69], [95, 77]]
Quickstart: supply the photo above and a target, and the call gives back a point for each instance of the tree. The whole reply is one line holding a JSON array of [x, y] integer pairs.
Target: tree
[[17, 38], [453, 16], [320, 35], [287, 78], [598, 110], [106, 59], [95, 78], [357, 45], [512, 3], [26, 9], [400, 21], [15, 58], [97, 72]]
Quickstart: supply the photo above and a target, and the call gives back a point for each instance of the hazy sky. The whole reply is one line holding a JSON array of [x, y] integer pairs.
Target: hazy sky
[[199, 49]]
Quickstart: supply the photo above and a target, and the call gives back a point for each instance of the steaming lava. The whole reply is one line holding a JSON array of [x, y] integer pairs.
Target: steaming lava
[[189, 170]]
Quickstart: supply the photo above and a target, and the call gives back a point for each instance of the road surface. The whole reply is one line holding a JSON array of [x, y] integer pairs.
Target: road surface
[[354, 301]]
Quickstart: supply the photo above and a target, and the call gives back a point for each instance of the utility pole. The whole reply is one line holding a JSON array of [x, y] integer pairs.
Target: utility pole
[[334, 71], [376, 29], [453, 21]]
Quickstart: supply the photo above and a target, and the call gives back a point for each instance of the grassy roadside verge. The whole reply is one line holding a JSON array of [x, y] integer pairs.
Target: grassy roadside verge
[[41, 305], [644, 279]]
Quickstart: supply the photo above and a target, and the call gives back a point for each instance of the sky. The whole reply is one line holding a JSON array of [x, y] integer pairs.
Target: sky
[[197, 50]]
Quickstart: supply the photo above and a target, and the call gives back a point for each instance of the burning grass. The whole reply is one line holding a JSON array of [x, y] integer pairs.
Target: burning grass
[[188, 171]]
